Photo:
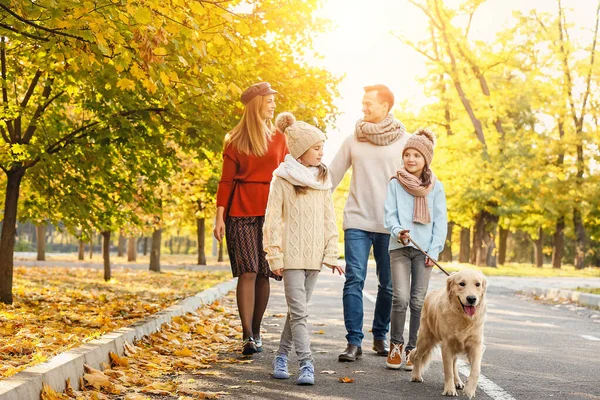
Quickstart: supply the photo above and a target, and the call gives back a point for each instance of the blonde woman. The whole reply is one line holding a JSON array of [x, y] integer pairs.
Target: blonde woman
[[253, 149]]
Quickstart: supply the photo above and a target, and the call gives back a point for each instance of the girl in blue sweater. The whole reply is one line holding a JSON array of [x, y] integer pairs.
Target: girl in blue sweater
[[415, 203]]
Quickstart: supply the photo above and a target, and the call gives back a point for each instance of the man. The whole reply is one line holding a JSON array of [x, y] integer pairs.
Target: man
[[375, 154]]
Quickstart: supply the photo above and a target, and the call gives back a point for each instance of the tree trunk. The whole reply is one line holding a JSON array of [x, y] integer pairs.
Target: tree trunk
[[446, 255], [538, 247], [145, 246], [502, 245], [41, 242], [558, 243], [465, 245], [220, 258], [201, 239], [121, 245], [81, 253], [477, 238], [106, 254], [155, 251], [91, 248], [580, 239], [490, 259], [9, 230], [483, 239], [132, 249]]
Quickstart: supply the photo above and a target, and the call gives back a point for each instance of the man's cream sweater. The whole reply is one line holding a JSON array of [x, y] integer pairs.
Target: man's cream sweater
[[299, 230], [372, 168]]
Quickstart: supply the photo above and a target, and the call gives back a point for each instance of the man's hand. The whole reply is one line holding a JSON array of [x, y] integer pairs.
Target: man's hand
[[429, 262], [335, 268], [278, 272], [403, 236]]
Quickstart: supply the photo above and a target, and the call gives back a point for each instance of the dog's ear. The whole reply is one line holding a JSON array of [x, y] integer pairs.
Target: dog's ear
[[484, 283], [449, 284]]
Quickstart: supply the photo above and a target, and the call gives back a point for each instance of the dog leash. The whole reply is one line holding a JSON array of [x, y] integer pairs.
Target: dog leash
[[427, 255]]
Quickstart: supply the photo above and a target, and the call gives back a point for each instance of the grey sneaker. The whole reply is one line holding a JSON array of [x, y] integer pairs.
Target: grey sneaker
[[258, 343], [280, 367], [307, 374]]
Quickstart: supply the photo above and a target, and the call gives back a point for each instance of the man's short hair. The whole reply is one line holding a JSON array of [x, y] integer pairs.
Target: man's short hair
[[384, 94]]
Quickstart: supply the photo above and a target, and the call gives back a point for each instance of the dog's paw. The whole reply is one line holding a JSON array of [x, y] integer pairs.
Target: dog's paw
[[469, 390], [416, 378], [450, 392], [459, 385]]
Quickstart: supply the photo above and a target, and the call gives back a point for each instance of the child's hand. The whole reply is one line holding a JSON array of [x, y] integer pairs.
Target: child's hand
[[429, 262], [337, 268], [278, 272], [403, 236]]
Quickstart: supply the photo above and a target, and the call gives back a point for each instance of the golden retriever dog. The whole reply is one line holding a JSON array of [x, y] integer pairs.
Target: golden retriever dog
[[454, 317]]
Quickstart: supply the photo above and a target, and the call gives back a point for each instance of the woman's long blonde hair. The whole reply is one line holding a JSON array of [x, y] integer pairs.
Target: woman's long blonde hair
[[251, 136]]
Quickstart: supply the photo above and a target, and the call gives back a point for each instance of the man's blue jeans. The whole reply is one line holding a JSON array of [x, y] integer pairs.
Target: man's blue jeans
[[357, 244]]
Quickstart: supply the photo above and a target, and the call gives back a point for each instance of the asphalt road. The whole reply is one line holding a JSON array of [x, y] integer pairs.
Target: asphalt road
[[533, 351]]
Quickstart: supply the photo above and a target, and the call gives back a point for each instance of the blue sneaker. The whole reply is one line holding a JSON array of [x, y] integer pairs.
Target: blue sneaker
[[307, 374], [280, 367]]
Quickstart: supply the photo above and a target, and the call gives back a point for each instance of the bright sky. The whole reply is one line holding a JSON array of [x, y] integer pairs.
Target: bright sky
[[362, 47]]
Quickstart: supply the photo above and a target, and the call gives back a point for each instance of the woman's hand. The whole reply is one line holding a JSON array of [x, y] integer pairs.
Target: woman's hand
[[403, 236], [278, 272], [337, 268], [219, 231], [429, 262]]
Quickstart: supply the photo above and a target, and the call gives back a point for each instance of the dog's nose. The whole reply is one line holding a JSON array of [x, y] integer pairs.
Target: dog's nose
[[471, 299]]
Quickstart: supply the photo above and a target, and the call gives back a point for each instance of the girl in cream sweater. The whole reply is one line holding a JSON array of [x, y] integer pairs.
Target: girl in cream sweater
[[299, 236]]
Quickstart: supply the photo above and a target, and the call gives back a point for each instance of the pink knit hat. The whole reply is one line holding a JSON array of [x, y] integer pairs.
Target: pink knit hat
[[423, 141]]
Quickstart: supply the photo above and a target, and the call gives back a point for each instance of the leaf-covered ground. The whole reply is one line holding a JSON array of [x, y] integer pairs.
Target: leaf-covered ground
[[168, 364], [56, 309]]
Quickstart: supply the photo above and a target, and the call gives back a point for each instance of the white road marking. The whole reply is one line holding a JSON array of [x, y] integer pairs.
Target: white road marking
[[590, 337], [489, 387], [369, 296]]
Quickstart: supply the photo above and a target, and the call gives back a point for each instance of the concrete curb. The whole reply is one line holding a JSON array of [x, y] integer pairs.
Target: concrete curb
[[581, 298], [27, 384]]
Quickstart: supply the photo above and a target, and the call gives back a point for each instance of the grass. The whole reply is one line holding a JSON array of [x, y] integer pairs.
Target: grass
[[595, 290], [529, 271], [167, 259], [509, 269]]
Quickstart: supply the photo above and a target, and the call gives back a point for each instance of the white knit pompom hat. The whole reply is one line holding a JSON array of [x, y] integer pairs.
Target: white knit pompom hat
[[300, 135]]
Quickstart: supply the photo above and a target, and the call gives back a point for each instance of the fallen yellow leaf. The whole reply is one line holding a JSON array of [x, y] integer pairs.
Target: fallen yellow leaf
[[185, 352], [346, 379], [95, 378], [115, 360], [49, 394]]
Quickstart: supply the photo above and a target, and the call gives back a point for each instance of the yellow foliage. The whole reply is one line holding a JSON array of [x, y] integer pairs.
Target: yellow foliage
[[74, 306]]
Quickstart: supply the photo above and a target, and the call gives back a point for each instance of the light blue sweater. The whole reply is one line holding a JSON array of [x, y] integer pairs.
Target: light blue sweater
[[398, 216]]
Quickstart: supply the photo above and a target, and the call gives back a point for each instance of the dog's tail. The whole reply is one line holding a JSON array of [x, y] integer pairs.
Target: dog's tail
[[423, 358]]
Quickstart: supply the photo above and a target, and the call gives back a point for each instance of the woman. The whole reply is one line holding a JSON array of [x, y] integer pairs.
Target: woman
[[253, 149]]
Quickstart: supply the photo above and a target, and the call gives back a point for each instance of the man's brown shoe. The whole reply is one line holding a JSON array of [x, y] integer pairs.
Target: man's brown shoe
[[351, 353], [381, 347]]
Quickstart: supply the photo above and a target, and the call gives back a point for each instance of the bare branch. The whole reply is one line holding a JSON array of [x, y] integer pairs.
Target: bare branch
[[29, 35], [426, 11], [40, 109], [9, 125], [4, 135], [31, 88], [589, 77]]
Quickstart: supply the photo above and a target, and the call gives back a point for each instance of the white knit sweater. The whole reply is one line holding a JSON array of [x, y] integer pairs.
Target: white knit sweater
[[300, 231], [372, 168]]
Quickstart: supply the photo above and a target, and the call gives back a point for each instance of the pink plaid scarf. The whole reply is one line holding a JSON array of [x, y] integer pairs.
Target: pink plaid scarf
[[413, 186]]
